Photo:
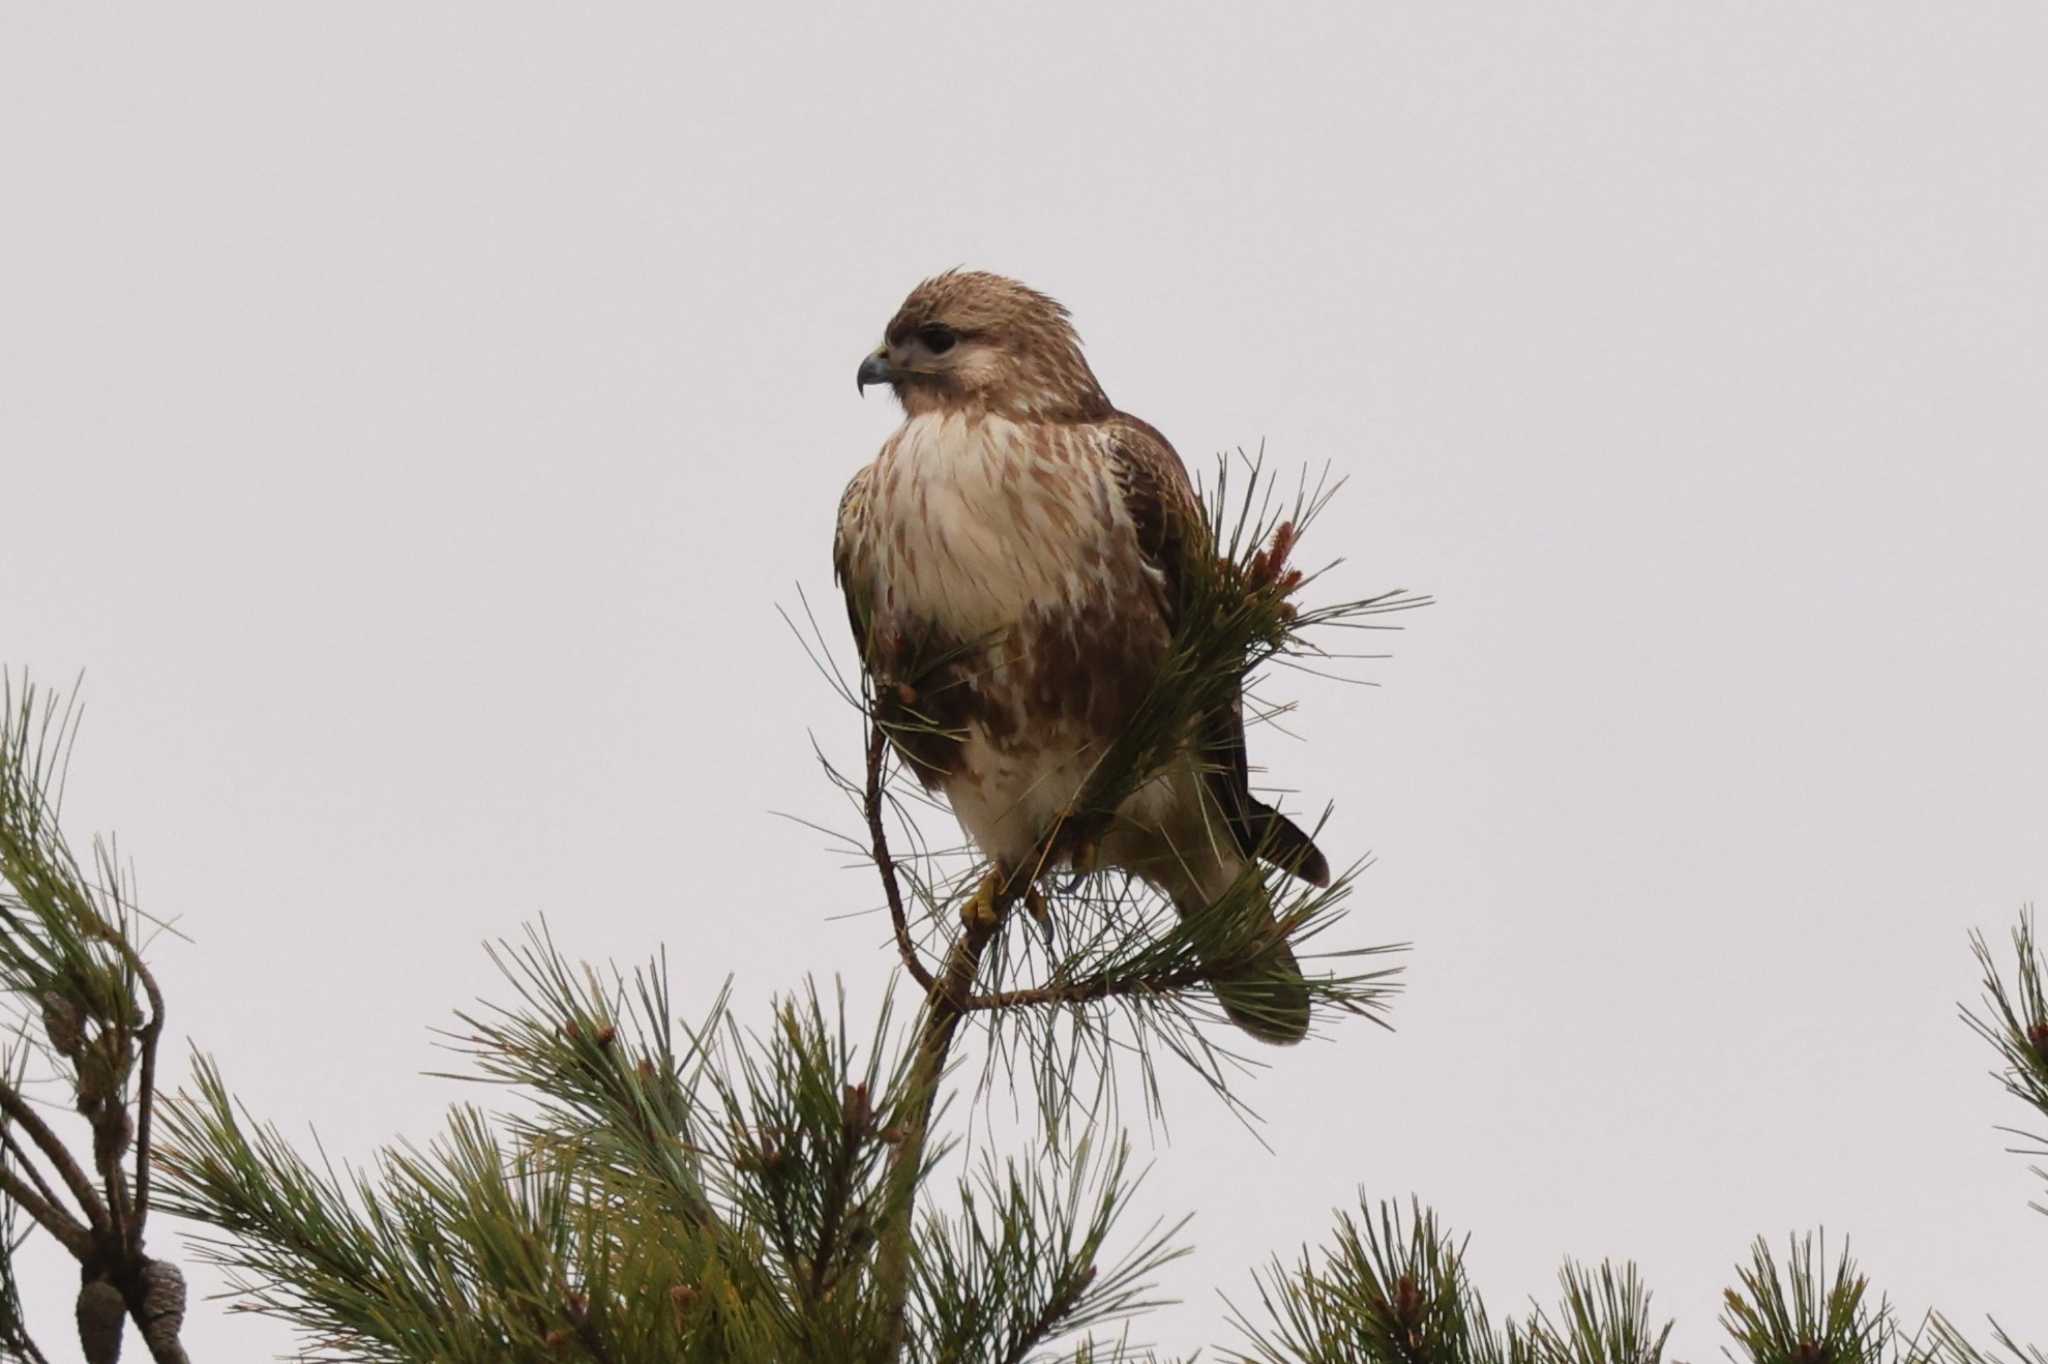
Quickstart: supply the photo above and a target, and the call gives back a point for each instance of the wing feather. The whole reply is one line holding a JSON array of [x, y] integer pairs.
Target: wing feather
[[848, 567], [1171, 529], [1162, 506]]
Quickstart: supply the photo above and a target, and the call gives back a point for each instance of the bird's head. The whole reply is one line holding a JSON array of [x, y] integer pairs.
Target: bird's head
[[975, 342]]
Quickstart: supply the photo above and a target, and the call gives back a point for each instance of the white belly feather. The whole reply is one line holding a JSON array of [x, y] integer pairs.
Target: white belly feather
[[988, 540], [982, 526]]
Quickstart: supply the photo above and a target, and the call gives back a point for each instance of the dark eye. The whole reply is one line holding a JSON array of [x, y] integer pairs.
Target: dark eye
[[936, 338]]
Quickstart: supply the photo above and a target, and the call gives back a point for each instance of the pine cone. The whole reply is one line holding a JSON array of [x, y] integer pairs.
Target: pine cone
[[112, 1131], [163, 1304], [102, 1070], [101, 1316], [64, 1021]]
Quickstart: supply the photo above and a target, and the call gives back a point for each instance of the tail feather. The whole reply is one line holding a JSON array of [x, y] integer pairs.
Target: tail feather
[[1270, 1001], [1267, 996], [1287, 845], [1180, 847], [1258, 829]]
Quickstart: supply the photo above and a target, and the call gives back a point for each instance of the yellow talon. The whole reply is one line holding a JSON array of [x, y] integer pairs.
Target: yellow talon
[[980, 911]]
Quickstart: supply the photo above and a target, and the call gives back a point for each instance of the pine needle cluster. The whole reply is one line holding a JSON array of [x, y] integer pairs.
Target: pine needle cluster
[[665, 1193]]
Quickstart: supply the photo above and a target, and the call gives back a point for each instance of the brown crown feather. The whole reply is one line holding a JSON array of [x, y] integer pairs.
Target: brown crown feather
[[1033, 369]]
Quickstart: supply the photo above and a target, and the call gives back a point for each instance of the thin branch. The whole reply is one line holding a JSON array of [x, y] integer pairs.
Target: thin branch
[[67, 1230], [20, 1158], [1058, 1306], [22, 1343], [81, 1188], [116, 1187], [878, 748], [145, 1099], [1090, 989]]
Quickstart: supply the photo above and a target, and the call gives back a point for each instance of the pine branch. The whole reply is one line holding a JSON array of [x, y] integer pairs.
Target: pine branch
[[145, 1098], [1181, 960], [21, 1160], [2015, 1024], [2015, 1017], [1951, 1346], [1390, 1291], [1804, 1315], [1023, 1261], [63, 1228], [715, 1200], [15, 1340], [53, 1149], [1604, 1319], [69, 962], [915, 1105]]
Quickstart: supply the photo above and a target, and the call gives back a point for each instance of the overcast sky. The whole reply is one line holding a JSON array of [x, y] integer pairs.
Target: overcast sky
[[411, 417]]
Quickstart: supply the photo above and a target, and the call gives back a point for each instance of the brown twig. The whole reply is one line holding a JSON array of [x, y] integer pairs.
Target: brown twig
[[89, 1200], [67, 1230], [108, 1164], [20, 1158], [145, 1099], [878, 748], [30, 1351], [1061, 1303]]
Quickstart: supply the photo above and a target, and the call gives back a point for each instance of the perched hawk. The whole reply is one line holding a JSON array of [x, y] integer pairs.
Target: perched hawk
[[1013, 562]]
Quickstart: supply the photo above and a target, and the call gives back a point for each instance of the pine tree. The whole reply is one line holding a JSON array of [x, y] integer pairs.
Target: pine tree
[[664, 1183]]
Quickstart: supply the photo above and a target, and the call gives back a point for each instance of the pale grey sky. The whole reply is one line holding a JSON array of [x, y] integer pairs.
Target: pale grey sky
[[410, 416]]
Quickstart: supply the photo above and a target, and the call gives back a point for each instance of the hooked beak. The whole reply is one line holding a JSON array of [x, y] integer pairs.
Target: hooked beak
[[876, 369]]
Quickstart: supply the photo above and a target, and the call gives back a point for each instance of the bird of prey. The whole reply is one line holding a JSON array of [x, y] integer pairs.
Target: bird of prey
[[1014, 561]]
